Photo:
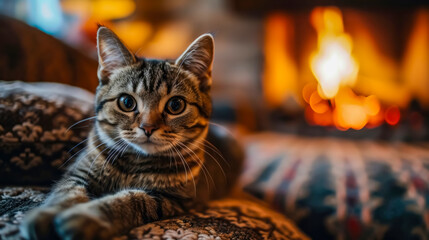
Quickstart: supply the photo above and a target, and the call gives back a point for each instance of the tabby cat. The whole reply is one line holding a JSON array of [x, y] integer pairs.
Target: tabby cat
[[145, 152]]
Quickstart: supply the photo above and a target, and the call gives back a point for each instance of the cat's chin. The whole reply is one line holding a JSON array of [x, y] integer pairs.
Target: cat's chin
[[148, 148]]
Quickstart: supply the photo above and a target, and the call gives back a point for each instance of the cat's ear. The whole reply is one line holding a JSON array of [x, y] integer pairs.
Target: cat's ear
[[198, 59], [112, 53]]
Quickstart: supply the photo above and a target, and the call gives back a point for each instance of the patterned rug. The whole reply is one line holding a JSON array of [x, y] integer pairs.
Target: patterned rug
[[335, 188]]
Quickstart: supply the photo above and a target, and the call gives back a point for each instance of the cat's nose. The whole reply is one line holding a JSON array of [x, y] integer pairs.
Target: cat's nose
[[148, 129]]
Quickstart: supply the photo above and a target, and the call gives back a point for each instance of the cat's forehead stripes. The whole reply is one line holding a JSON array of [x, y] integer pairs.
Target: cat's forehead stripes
[[150, 74]]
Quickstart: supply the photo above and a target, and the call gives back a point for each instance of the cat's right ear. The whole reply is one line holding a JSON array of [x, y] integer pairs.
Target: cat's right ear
[[112, 54]]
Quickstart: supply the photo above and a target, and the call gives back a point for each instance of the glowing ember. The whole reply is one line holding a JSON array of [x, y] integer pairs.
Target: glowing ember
[[346, 110], [354, 111], [392, 115]]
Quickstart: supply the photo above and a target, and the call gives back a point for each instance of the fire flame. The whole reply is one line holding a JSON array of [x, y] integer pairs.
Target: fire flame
[[332, 101], [333, 65]]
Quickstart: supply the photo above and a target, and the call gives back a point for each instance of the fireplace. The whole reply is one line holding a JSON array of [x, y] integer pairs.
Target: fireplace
[[355, 68]]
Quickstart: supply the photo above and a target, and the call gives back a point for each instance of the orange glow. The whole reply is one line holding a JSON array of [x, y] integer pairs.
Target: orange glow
[[161, 44], [307, 91], [375, 121], [352, 111], [333, 102], [100, 10], [346, 110], [135, 33], [416, 59], [371, 105], [280, 74], [332, 64], [392, 115], [318, 104]]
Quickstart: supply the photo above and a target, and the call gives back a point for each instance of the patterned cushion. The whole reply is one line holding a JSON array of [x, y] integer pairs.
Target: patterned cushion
[[35, 133], [342, 189], [225, 219]]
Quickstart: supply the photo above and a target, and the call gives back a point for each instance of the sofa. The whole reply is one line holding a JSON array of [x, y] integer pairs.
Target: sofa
[[43, 126]]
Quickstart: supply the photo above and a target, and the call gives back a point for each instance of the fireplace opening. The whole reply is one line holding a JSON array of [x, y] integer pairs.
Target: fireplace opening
[[348, 69]]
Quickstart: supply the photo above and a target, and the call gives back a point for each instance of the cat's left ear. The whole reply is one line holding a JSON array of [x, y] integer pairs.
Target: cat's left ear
[[112, 54], [198, 59]]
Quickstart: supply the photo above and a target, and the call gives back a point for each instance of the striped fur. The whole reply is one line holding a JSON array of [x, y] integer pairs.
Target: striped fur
[[121, 180]]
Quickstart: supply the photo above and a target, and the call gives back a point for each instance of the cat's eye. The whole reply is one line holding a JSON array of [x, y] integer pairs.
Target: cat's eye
[[175, 106], [127, 103]]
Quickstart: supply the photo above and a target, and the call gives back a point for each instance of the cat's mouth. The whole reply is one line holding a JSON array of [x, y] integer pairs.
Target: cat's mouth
[[149, 146], [147, 141]]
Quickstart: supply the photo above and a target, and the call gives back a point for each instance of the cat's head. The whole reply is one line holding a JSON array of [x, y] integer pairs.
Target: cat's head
[[152, 106]]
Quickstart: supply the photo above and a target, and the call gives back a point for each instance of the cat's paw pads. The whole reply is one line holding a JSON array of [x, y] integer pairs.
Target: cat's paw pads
[[75, 224], [38, 224]]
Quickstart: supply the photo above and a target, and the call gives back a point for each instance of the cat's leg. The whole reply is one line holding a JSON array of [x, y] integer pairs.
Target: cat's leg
[[38, 224], [115, 214]]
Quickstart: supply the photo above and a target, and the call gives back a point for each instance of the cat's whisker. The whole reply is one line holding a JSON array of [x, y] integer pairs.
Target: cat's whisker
[[81, 121], [169, 155], [209, 145], [213, 158], [138, 155], [125, 147], [181, 159], [95, 159], [212, 147], [77, 145], [71, 157], [112, 151], [118, 140], [87, 152], [118, 153], [190, 170], [172, 157], [121, 151], [115, 151], [200, 164], [185, 164]]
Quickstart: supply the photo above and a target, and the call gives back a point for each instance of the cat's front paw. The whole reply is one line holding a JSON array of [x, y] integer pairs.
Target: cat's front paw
[[81, 223], [38, 224]]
